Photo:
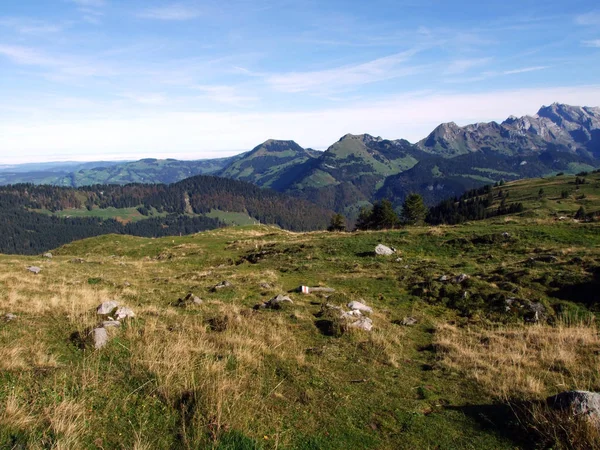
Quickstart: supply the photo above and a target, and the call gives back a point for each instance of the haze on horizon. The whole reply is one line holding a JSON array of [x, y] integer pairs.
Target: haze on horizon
[[110, 80]]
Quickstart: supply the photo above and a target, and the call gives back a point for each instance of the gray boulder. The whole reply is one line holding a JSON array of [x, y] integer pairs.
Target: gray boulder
[[34, 269], [99, 337], [48, 255], [358, 306], [278, 302], [460, 278], [107, 307], [222, 285], [124, 313], [580, 403], [384, 250], [189, 300]]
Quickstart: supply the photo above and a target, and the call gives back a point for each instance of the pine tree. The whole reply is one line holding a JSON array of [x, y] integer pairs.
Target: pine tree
[[383, 215], [338, 223], [414, 210]]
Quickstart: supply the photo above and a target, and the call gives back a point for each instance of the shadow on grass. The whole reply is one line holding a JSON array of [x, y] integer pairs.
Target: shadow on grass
[[503, 420]]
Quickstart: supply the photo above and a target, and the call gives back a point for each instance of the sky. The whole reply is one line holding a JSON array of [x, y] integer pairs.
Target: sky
[[94, 80]]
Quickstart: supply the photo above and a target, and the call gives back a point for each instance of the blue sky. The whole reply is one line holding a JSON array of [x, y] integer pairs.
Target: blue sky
[[126, 79]]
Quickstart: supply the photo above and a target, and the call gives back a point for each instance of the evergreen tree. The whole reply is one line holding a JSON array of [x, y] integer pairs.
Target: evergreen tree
[[580, 214], [383, 215], [338, 223], [414, 210], [364, 218]]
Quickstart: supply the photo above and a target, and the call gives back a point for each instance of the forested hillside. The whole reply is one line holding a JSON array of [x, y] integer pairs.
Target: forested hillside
[[29, 227]]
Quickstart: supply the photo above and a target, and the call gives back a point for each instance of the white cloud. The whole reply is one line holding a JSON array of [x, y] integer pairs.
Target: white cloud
[[524, 70], [589, 19], [345, 77], [464, 65], [198, 135], [89, 3], [30, 26], [175, 12], [593, 43], [26, 56], [227, 95]]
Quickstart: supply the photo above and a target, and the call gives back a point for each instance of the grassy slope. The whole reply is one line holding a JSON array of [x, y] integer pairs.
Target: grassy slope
[[169, 380], [221, 375]]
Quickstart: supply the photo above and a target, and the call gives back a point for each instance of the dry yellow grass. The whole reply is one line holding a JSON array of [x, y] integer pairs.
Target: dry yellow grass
[[523, 362]]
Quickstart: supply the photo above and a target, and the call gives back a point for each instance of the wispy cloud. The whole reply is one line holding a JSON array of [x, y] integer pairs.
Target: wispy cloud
[[593, 43], [589, 19], [464, 65], [345, 77], [92, 10], [90, 3], [174, 12], [524, 70], [26, 56], [30, 26]]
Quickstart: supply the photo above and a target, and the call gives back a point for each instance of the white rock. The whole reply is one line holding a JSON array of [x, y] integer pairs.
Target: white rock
[[10, 316], [581, 403], [48, 255], [364, 323], [34, 269], [383, 250], [111, 324], [107, 307], [360, 307], [124, 313]]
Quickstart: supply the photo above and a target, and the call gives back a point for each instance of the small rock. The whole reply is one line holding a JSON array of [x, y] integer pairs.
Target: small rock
[[358, 306], [537, 312], [127, 284], [461, 278], [34, 269], [384, 250], [398, 259], [124, 313], [444, 278], [363, 323], [188, 300], [581, 403], [409, 321], [77, 261], [276, 302], [99, 337], [48, 255], [351, 314], [222, 285], [107, 307], [265, 285], [10, 316], [506, 235], [111, 323]]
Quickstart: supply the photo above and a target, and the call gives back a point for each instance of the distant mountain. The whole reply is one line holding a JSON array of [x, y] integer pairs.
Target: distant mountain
[[570, 128], [359, 169], [264, 164], [87, 174]]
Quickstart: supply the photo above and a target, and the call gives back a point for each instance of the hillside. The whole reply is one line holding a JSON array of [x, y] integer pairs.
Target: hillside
[[453, 359], [38, 218]]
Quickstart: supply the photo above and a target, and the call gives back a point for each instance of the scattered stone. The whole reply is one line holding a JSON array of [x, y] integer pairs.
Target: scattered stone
[[358, 306], [506, 235], [189, 300], [99, 337], [48, 255], [10, 316], [363, 323], [278, 302], [351, 314], [77, 261], [124, 313], [460, 278], [34, 269], [265, 285], [127, 284], [111, 324], [222, 285], [562, 218], [107, 307], [537, 312], [384, 250], [409, 321], [444, 278], [581, 403], [544, 258], [398, 259]]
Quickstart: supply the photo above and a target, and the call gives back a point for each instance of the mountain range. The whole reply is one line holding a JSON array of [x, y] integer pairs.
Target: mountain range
[[359, 169]]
